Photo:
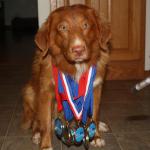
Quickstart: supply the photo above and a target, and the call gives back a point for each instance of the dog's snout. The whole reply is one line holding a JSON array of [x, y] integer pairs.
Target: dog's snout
[[78, 48]]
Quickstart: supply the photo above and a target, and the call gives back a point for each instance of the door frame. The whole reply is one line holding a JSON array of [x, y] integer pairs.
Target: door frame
[[147, 37], [43, 11]]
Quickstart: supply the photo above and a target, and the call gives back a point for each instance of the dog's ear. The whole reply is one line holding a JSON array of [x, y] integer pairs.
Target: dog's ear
[[42, 38], [103, 31], [105, 35]]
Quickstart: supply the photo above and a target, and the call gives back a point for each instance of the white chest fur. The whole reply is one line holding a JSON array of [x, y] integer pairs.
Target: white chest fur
[[81, 68]]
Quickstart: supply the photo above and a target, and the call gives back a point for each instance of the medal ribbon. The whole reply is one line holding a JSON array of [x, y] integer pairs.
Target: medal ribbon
[[70, 99], [64, 95]]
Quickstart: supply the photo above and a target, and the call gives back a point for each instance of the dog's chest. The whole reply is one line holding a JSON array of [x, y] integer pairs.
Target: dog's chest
[[80, 69]]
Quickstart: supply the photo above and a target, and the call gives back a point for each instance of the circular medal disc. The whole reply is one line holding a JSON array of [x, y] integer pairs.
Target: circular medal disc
[[86, 141], [79, 135], [67, 138], [72, 133], [91, 130], [58, 127]]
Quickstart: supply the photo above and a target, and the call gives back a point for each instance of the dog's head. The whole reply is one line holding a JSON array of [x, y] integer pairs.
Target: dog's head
[[76, 32]]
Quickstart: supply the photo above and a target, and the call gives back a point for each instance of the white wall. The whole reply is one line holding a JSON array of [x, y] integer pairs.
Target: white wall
[[147, 41], [43, 10]]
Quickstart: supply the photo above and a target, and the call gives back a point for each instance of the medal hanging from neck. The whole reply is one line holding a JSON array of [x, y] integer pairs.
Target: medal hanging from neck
[[76, 100]]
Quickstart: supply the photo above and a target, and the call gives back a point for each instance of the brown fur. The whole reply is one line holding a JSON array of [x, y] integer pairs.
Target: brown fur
[[39, 94]]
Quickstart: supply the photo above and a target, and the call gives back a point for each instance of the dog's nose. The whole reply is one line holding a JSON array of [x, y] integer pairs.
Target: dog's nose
[[78, 48]]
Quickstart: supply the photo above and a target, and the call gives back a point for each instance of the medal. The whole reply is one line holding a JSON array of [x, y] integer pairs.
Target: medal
[[76, 100], [78, 135], [86, 140], [91, 130], [67, 136], [59, 128]]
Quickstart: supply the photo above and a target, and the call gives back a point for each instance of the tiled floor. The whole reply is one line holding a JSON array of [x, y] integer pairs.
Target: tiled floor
[[126, 113]]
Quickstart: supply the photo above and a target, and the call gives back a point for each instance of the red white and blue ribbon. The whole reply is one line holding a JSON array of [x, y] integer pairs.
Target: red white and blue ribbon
[[76, 99]]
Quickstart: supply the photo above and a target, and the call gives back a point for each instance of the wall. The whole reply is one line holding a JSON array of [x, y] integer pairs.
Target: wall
[[43, 10], [19, 8], [44, 7], [147, 41]]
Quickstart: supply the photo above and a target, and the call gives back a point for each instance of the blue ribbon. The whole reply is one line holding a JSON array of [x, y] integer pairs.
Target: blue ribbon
[[73, 88]]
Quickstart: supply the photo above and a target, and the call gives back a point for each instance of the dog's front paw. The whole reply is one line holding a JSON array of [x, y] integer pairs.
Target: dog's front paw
[[98, 142], [103, 127], [36, 139]]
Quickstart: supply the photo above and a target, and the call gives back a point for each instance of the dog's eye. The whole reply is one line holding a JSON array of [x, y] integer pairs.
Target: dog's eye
[[62, 27], [85, 26]]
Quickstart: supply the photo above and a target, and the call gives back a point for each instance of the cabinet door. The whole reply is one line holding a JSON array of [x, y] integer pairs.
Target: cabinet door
[[127, 20]]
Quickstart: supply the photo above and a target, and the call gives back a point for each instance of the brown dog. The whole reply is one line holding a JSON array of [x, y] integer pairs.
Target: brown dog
[[73, 38]]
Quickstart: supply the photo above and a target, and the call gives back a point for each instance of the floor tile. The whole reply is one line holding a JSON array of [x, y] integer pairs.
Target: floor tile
[[23, 143], [8, 100], [15, 127], [132, 124], [57, 145], [145, 138], [122, 96], [144, 94], [6, 112], [119, 85], [19, 108], [125, 109], [1, 141], [132, 142], [18, 143], [4, 124], [111, 142]]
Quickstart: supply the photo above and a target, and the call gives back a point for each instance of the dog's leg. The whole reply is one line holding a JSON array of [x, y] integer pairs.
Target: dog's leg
[[101, 127], [36, 138], [45, 120], [98, 141], [40, 127], [45, 104], [28, 106]]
